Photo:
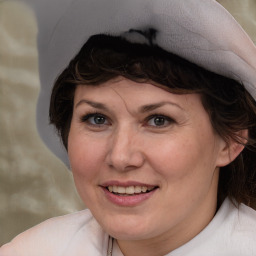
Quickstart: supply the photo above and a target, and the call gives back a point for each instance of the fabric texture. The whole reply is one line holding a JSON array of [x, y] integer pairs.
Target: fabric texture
[[200, 31], [232, 232]]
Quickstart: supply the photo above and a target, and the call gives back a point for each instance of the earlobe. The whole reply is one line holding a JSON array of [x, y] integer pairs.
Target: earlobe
[[232, 148]]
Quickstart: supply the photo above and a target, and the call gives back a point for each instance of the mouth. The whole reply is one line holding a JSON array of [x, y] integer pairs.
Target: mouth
[[130, 190], [128, 194]]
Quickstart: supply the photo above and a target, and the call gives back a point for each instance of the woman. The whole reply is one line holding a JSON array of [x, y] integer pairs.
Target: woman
[[162, 150]]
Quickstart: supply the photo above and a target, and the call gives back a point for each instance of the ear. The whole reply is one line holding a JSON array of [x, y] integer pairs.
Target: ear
[[231, 149]]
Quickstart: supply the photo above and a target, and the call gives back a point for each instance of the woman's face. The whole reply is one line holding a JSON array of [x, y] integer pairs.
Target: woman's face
[[145, 161]]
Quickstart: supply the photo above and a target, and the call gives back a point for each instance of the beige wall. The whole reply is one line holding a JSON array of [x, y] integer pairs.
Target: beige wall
[[34, 185]]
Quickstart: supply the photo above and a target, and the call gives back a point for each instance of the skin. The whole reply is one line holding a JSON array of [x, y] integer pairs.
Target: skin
[[181, 155]]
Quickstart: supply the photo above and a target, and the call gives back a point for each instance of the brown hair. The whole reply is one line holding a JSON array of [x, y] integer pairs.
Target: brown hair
[[231, 108]]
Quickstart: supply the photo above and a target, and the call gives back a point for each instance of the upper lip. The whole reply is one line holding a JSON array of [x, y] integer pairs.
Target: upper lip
[[126, 184]]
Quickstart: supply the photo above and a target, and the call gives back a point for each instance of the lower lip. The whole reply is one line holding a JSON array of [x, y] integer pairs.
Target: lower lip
[[128, 200]]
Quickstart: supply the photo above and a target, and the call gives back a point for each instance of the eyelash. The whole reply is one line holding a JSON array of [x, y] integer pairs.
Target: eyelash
[[85, 119], [166, 118]]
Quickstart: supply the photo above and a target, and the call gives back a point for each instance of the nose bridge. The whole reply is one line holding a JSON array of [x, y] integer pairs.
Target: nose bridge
[[125, 151], [122, 138]]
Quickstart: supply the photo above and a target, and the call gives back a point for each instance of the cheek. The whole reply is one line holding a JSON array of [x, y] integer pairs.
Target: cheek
[[184, 157], [171, 155], [186, 168], [85, 157]]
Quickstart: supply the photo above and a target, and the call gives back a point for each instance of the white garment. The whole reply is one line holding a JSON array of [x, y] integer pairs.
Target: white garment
[[232, 232]]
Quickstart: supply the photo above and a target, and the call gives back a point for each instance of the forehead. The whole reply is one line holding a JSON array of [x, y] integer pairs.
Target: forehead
[[120, 90]]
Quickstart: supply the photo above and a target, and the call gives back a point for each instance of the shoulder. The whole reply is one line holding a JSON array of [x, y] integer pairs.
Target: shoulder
[[242, 227], [230, 233], [246, 215], [55, 236], [236, 235], [239, 220]]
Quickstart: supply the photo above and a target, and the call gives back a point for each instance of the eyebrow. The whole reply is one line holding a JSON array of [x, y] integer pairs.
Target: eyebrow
[[151, 107], [142, 109], [93, 104]]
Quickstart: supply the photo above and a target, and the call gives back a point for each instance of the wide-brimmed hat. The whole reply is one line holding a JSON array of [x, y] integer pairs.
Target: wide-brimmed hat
[[201, 31]]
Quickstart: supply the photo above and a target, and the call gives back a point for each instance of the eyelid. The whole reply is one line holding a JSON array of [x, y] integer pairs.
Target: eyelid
[[168, 118], [84, 118]]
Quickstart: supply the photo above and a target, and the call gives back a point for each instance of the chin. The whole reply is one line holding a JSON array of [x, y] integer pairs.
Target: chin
[[129, 229], [128, 235]]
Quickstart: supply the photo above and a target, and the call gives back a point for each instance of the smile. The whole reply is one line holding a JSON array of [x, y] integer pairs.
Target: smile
[[128, 194], [130, 190]]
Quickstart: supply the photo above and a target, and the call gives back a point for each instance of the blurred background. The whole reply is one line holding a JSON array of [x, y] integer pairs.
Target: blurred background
[[34, 184]]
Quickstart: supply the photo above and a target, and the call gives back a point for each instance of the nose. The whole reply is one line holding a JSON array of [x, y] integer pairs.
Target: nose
[[125, 150]]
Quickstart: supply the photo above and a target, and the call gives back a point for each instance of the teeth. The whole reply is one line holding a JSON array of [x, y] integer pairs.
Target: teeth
[[120, 190], [137, 189], [129, 190], [144, 189]]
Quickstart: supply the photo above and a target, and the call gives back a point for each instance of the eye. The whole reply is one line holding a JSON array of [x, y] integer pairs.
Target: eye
[[159, 121], [95, 119]]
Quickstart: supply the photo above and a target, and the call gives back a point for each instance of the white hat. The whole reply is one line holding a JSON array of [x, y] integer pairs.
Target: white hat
[[201, 31]]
